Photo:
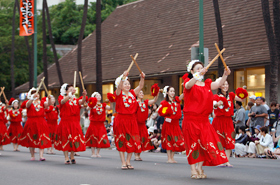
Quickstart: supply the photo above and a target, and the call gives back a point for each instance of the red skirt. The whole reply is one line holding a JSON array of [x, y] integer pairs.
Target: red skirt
[[35, 133], [126, 133], [146, 143], [69, 135], [202, 142], [172, 137], [4, 136], [96, 135], [15, 130], [52, 128], [225, 130]]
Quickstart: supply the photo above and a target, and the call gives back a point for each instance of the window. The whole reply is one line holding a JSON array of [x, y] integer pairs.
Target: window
[[107, 88]]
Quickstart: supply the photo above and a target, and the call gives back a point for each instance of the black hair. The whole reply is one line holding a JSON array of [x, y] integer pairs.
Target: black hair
[[220, 92], [86, 114], [250, 104], [264, 129], [243, 128], [263, 99], [68, 86], [273, 104], [167, 97], [239, 103], [190, 76]]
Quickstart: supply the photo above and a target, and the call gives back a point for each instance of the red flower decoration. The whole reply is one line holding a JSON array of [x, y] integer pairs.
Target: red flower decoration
[[225, 102], [241, 93], [111, 97], [23, 105], [82, 98], [92, 102], [165, 109], [177, 99], [185, 76], [11, 100], [155, 90]]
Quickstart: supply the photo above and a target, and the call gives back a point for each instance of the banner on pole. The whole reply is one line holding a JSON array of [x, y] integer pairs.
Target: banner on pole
[[26, 25]]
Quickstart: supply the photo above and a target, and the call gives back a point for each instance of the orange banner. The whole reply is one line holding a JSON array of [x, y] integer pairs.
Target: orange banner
[[26, 17]]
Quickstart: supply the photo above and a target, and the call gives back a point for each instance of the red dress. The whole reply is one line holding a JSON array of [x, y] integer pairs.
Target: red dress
[[201, 140], [223, 124], [52, 116], [4, 136], [125, 126], [171, 134], [15, 130], [69, 135], [141, 116], [96, 135], [35, 132]]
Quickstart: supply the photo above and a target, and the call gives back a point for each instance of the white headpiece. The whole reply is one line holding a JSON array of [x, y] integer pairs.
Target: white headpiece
[[0, 103], [165, 91], [94, 94], [29, 93], [14, 102], [118, 80], [63, 89], [191, 64]]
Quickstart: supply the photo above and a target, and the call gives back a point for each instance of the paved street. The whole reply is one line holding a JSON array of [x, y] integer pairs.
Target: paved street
[[16, 168]]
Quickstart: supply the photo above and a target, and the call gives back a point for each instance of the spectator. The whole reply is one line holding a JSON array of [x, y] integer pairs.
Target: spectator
[[266, 142], [275, 152], [86, 121], [211, 118], [239, 115], [252, 138], [273, 114], [153, 116], [257, 113], [160, 121], [249, 122], [252, 99], [240, 143], [266, 120]]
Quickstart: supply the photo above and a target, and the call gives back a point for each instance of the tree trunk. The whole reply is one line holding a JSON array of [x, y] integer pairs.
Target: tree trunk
[[52, 44], [98, 48], [273, 88], [13, 51], [45, 60], [220, 35], [79, 56]]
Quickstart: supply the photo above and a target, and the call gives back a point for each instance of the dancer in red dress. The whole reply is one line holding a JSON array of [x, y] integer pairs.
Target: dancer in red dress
[[69, 136], [35, 132], [222, 123], [171, 134], [15, 130], [96, 136], [125, 126], [142, 115], [202, 143], [4, 136], [52, 116]]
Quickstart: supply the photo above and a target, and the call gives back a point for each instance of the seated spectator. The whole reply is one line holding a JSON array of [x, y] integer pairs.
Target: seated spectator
[[156, 140], [240, 143], [275, 152], [251, 150], [266, 142]]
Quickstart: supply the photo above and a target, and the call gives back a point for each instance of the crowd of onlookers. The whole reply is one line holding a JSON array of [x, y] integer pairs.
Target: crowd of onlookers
[[257, 128]]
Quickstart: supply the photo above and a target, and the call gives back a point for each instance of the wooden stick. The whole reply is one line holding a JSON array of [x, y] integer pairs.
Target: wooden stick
[[75, 77], [132, 62], [82, 80], [214, 59], [4, 93], [42, 80], [136, 64], [2, 90], [221, 56], [46, 88]]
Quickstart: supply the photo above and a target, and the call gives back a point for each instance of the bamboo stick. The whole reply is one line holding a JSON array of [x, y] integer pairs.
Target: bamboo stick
[[42, 81], [214, 59], [46, 88], [136, 64], [75, 77], [82, 80], [221, 56], [132, 62]]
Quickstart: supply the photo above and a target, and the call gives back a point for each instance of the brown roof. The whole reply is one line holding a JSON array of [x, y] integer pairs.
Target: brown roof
[[162, 32]]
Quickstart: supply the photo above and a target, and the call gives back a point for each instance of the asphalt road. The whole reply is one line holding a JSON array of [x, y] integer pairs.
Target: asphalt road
[[16, 168]]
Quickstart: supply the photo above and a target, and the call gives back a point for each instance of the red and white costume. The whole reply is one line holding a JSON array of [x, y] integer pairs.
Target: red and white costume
[[125, 126], [201, 140], [222, 122], [69, 135], [171, 134], [96, 135], [142, 115], [15, 130], [52, 116], [35, 132], [4, 136]]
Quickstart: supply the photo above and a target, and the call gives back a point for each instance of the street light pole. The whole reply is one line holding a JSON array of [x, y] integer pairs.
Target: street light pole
[[35, 44], [201, 34]]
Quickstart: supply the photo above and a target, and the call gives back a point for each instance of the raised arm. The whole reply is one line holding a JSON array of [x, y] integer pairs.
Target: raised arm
[[181, 97], [153, 101], [109, 107], [141, 84], [82, 101], [33, 97], [192, 81], [215, 85], [119, 88], [47, 104]]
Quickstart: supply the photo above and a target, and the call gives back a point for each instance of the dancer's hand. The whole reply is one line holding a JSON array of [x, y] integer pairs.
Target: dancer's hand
[[227, 71]]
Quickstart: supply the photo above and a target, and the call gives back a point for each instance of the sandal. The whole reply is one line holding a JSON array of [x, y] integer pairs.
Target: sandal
[[76, 154], [124, 168], [32, 159], [73, 161], [222, 165], [195, 176], [202, 175], [67, 162], [130, 167], [42, 159], [229, 166], [138, 159]]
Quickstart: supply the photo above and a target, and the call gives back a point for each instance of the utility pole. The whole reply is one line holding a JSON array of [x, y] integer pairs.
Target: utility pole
[[201, 32], [35, 43]]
